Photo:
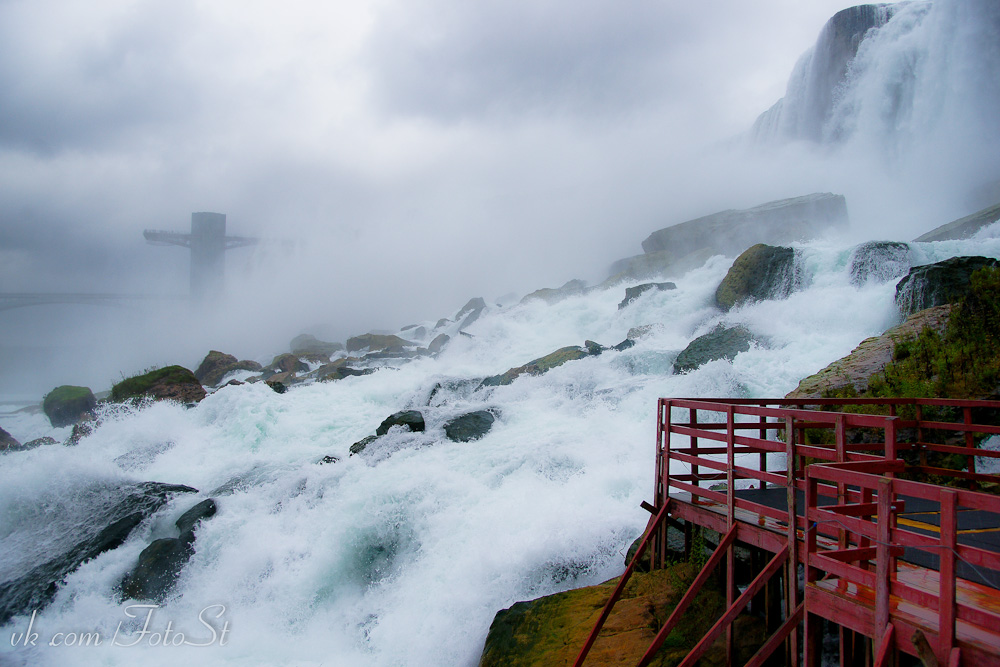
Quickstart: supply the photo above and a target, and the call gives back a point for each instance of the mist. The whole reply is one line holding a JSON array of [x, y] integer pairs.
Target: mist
[[397, 159]]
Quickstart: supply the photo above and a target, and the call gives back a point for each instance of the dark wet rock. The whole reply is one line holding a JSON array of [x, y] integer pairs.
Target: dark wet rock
[[720, 343], [39, 442], [206, 509], [234, 383], [64, 405], [278, 386], [174, 383], [334, 371], [633, 293], [82, 429], [760, 273], [870, 357], [624, 345], [436, 345], [539, 366], [159, 565], [936, 284], [470, 312], [376, 342], [879, 261], [307, 345], [360, 445], [9, 443], [470, 426], [550, 295], [963, 228], [328, 459], [411, 419], [593, 348], [116, 512]]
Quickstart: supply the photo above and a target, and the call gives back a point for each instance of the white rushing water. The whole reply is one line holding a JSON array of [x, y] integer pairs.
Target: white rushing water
[[404, 555]]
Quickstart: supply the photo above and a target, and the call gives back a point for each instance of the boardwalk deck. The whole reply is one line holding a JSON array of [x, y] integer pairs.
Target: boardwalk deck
[[899, 565]]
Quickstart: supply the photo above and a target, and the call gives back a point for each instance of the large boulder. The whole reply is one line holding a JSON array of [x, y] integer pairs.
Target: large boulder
[[174, 383], [217, 365], [879, 261], [554, 295], [720, 343], [470, 312], [101, 519], [550, 630], [436, 345], [732, 231], [650, 265], [470, 426], [377, 343], [963, 228], [870, 357], [8, 443], [937, 284], [287, 363], [539, 366], [633, 293], [762, 272], [307, 345], [411, 419], [64, 405], [161, 562]]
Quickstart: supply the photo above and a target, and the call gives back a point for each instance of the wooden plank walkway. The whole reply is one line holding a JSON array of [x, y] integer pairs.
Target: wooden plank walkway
[[897, 565]]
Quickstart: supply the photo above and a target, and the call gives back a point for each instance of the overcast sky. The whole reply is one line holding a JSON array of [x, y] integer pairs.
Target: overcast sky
[[424, 151]]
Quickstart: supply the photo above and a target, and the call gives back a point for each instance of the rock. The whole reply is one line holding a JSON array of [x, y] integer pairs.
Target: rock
[[538, 366], [217, 365], [411, 419], [552, 629], [937, 284], [963, 228], [64, 405], [733, 231], [174, 383], [108, 518], [870, 357], [550, 296], [161, 562], [443, 322], [213, 362], [334, 371], [82, 429], [376, 342], [308, 345], [470, 426], [470, 312], [278, 386], [880, 261], [206, 509], [636, 333], [761, 272], [651, 265], [158, 568], [9, 443], [624, 345], [633, 293], [414, 330], [360, 445], [39, 442], [328, 459], [436, 345], [720, 343], [287, 363]]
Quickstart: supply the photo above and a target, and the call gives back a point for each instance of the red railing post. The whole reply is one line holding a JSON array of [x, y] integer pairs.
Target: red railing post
[[882, 551], [730, 522], [792, 566], [946, 601]]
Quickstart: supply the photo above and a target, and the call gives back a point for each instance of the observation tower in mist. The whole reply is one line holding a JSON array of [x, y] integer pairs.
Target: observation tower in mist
[[208, 243]]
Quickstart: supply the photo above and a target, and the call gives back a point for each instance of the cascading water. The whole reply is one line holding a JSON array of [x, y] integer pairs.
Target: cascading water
[[403, 556]]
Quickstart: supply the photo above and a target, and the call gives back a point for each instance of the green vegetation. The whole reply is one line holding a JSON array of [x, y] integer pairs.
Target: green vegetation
[[138, 386]]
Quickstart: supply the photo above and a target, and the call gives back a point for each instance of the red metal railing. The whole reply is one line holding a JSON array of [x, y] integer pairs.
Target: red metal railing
[[708, 448]]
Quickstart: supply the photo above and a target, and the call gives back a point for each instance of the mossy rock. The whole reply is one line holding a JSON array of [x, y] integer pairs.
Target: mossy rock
[[720, 343], [936, 284], [540, 365], [762, 272], [64, 405], [169, 383], [552, 630], [217, 365]]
